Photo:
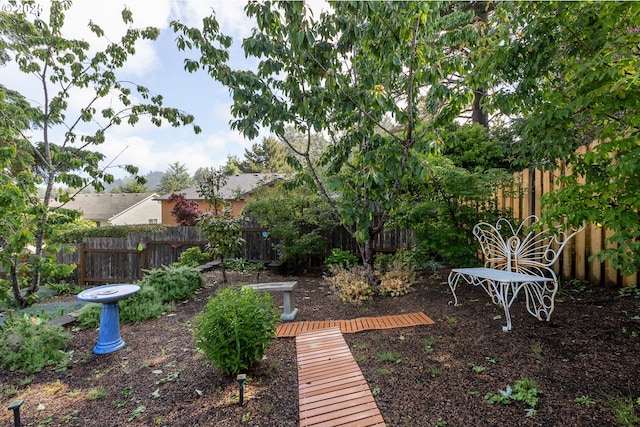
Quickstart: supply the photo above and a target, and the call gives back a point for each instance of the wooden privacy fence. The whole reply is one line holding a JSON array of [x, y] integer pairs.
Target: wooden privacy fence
[[524, 199], [122, 260]]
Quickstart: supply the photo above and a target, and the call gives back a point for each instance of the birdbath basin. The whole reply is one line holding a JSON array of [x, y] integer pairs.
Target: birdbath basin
[[109, 338]]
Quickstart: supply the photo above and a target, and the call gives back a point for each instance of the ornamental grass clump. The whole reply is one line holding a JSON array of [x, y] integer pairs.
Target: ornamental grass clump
[[351, 285], [28, 344], [236, 328]]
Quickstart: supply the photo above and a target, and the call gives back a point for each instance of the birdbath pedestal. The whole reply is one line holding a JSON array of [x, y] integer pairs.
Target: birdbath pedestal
[[109, 339]]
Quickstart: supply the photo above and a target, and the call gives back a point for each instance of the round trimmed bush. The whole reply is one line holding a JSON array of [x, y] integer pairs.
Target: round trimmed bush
[[236, 328]]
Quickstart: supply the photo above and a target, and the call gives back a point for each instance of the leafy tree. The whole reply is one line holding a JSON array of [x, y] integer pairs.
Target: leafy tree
[[224, 234], [473, 147], [17, 188], [297, 219], [210, 189], [344, 74], [568, 71], [270, 156], [185, 211], [200, 173], [131, 186], [60, 152], [176, 178], [481, 11], [220, 228], [232, 167]]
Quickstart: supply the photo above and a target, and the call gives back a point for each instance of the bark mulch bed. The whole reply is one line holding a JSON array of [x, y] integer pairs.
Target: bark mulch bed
[[438, 374]]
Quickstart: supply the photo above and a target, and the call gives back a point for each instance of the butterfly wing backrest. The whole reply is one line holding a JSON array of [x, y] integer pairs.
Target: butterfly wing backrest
[[529, 249], [534, 254], [493, 245]]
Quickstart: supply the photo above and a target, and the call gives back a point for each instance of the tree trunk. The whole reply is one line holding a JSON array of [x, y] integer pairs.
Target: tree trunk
[[15, 285], [478, 115], [224, 270]]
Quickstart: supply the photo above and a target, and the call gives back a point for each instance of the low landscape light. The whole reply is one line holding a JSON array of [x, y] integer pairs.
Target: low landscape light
[[240, 379]]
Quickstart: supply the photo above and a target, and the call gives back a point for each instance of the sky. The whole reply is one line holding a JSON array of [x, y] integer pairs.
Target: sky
[[159, 67]]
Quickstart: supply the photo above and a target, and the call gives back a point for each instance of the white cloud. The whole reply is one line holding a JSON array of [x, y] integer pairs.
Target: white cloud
[[145, 145]]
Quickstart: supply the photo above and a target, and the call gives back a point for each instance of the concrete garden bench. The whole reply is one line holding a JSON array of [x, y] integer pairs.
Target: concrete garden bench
[[516, 259], [287, 288]]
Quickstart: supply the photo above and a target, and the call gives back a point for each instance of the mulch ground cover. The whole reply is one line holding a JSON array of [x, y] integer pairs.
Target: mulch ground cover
[[583, 362]]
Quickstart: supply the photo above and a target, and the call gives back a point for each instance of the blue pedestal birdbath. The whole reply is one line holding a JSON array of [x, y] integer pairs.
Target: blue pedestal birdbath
[[109, 339]]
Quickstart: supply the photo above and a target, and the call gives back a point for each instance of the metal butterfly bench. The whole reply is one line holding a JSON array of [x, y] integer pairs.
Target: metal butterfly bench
[[516, 259]]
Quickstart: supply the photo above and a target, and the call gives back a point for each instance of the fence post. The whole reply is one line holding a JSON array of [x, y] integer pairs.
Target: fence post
[[82, 268], [144, 257]]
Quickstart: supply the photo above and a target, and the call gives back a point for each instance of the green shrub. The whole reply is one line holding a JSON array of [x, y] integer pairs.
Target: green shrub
[[174, 283], [193, 257], [144, 304], [351, 285], [236, 328], [297, 220], [28, 344], [403, 259], [340, 258], [6, 296]]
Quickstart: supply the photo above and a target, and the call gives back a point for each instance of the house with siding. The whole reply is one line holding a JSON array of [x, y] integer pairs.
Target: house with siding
[[118, 208], [235, 192]]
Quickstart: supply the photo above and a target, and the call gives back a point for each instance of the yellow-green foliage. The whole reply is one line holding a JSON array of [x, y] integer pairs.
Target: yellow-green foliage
[[351, 285], [396, 282]]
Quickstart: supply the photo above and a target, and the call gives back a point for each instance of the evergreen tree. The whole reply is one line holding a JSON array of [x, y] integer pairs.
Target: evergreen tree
[[175, 178], [270, 156]]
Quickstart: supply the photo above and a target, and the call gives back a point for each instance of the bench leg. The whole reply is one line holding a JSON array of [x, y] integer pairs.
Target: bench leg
[[290, 310], [501, 291], [453, 283]]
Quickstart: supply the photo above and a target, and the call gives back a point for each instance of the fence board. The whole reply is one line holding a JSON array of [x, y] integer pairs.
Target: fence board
[[538, 190], [610, 272]]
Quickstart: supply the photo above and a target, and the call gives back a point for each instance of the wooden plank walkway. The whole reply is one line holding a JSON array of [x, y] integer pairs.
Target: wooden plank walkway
[[292, 329], [332, 390]]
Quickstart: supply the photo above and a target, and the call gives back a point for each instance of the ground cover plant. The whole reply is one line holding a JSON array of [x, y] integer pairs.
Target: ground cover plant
[[420, 376], [28, 344]]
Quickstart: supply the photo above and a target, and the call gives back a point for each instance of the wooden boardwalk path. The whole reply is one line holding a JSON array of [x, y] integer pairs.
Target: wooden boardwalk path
[[292, 329], [332, 390]]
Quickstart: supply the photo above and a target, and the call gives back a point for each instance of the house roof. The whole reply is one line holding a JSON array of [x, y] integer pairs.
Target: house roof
[[105, 206], [237, 186]]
